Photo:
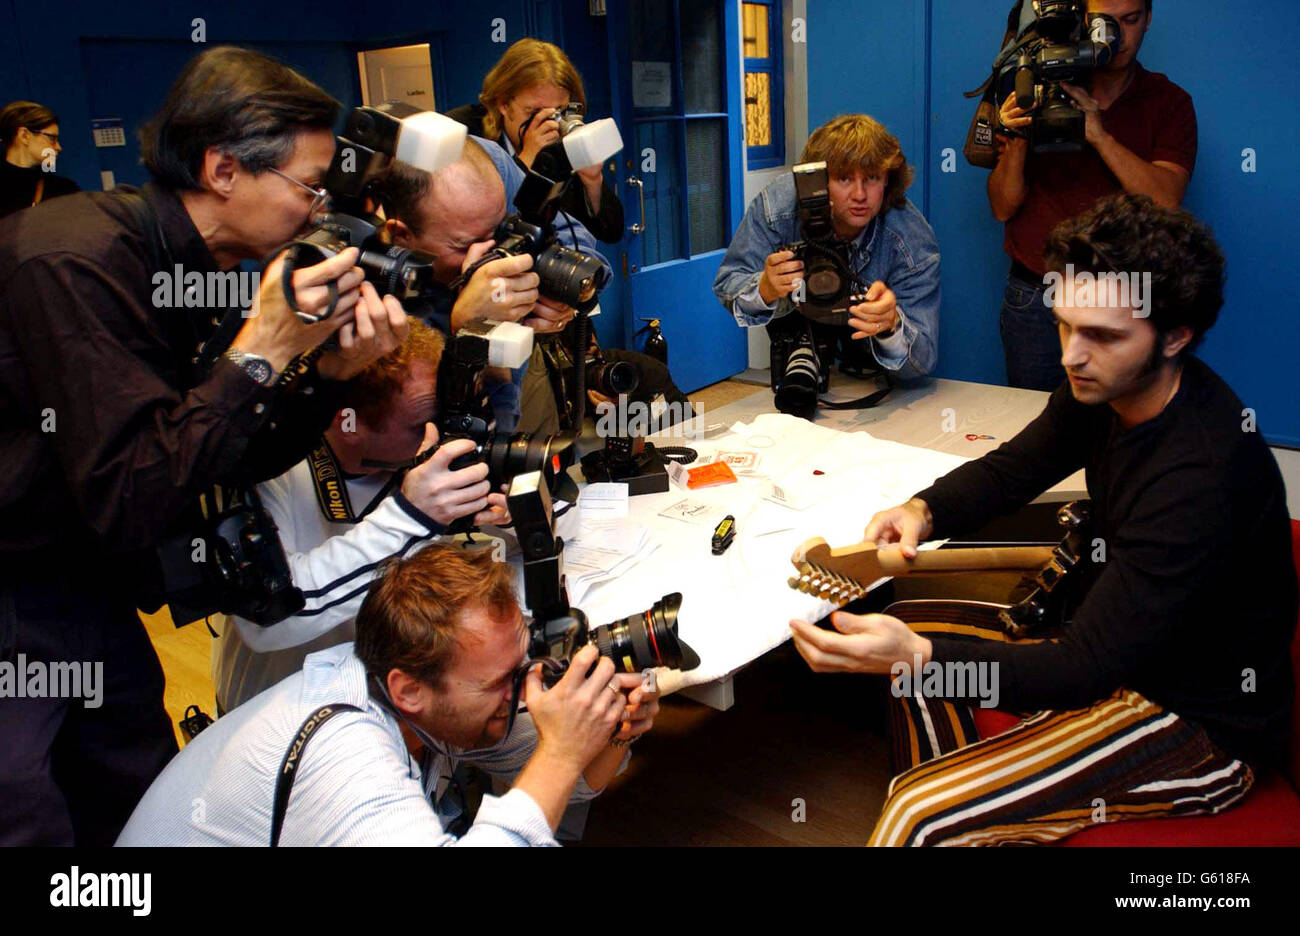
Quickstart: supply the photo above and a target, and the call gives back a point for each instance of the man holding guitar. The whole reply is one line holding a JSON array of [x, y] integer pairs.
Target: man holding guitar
[[1171, 686]]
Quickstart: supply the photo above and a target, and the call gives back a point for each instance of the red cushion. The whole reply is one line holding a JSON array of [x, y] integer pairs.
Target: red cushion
[[990, 722], [1294, 760], [1269, 815]]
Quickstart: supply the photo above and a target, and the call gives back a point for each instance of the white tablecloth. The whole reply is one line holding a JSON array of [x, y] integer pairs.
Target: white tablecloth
[[737, 606]]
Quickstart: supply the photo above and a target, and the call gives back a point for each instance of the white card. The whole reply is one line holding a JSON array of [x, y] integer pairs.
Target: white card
[[606, 498], [690, 511]]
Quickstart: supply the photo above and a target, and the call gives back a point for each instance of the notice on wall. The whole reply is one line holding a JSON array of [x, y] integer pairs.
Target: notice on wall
[[652, 84]]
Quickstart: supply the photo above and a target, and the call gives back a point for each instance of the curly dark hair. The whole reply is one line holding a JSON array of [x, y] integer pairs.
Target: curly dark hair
[[1132, 234]]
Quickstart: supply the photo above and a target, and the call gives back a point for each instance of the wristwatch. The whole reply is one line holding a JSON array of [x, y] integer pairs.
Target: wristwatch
[[258, 368]]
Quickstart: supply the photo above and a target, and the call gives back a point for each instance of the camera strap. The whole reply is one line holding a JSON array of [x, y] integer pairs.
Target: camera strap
[[332, 488], [866, 402], [293, 757]]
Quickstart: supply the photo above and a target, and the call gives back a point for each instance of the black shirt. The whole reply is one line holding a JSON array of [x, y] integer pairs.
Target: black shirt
[[605, 225], [105, 436], [18, 186], [1195, 605]]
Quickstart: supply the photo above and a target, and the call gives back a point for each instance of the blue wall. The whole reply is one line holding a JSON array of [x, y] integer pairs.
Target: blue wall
[[1238, 63]]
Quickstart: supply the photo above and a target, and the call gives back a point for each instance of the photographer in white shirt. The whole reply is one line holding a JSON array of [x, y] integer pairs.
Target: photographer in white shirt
[[338, 519]]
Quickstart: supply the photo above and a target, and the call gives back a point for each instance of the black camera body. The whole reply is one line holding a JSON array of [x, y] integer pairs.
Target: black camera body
[[558, 631], [566, 275], [464, 412], [829, 285], [552, 161], [373, 137], [233, 563], [1063, 44]]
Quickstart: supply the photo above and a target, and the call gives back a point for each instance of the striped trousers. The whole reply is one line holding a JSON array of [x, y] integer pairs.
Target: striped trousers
[[1053, 774]]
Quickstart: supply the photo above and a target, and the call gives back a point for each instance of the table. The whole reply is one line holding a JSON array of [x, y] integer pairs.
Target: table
[[735, 607]]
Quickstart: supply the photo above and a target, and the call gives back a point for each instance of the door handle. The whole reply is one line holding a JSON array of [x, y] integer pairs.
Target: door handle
[[640, 187]]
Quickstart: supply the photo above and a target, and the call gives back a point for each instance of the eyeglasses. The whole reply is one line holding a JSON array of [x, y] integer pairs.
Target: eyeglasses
[[319, 195], [52, 137]]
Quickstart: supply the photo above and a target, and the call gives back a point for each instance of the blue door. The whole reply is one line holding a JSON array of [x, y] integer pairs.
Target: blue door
[[678, 104]]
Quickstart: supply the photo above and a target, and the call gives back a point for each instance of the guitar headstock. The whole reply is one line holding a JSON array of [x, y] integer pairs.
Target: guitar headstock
[[839, 575]]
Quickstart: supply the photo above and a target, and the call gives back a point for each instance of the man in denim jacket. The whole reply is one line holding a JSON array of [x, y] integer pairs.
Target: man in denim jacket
[[893, 250]]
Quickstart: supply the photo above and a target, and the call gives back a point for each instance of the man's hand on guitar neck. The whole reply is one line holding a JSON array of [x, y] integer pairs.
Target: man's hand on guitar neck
[[866, 643], [907, 524]]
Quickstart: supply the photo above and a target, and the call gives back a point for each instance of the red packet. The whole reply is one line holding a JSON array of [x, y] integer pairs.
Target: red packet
[[710, 475]]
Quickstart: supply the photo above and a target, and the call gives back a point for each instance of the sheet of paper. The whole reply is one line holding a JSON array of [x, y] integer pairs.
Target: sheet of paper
[[694, 512], [608, 499]]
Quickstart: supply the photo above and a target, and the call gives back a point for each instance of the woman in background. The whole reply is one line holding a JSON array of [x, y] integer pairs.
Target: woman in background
[[521, 95], [29, 134]]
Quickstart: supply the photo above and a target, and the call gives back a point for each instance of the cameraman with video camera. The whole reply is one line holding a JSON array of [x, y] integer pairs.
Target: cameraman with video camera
[[117, 408], [887, 245], [429, 684], [339, 516], [1140, 136]]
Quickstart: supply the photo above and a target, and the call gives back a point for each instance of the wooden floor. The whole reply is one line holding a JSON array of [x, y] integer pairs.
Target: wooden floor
[[701, 777]]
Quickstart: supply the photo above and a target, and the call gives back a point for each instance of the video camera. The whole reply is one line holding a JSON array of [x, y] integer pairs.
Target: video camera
[[829, 286], [1059, 42], [372, 138]]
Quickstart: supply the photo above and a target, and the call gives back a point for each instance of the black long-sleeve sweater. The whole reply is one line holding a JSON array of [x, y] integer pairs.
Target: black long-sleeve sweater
[[1195, 605]]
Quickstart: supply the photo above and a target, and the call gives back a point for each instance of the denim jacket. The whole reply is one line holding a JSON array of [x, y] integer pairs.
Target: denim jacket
[[435, 307], [897, 247]]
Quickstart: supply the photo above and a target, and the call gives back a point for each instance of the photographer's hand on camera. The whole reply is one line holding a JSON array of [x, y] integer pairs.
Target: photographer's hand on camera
[[907, 524], [642, 707], [446, 495], [275, 332], [542, 130], [549, 316], [781, 273], [503, 289], [378, 327], [1094, 128], [1013, 116], [575, 720], [878, 315]]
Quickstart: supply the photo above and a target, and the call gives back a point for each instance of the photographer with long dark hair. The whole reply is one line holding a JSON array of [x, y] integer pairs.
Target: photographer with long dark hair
[[128, 389]]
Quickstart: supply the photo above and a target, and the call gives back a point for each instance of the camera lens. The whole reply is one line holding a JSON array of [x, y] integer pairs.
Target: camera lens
[[797, 392], [510, 455], [612, 377], [396, 270], [567, 275], [648, 639]]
